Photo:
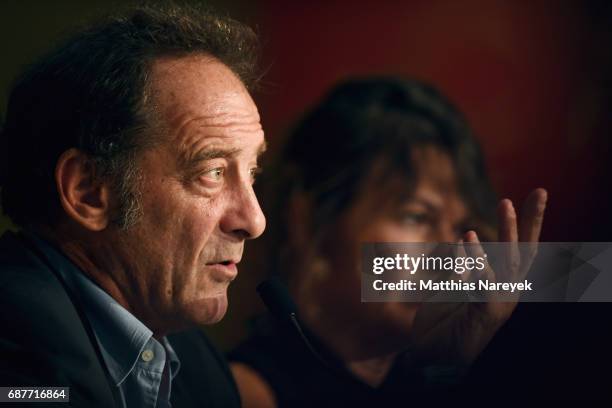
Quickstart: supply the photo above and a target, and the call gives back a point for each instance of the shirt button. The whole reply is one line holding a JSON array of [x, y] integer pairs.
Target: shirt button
[[147, 356]]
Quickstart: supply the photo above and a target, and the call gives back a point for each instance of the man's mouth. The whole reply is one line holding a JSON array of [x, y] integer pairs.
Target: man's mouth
[[224, 270]]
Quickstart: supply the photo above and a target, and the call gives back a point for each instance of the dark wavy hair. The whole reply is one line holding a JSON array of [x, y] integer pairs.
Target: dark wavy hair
[[361, 122], [91, 93]]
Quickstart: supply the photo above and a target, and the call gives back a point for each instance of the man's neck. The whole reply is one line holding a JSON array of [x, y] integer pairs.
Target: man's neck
[[98, 265]]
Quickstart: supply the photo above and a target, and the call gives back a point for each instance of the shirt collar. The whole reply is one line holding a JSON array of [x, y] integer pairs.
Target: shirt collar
[[121, 336]]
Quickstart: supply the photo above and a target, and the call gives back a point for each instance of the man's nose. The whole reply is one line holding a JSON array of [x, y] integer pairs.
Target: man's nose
[[244, 218]]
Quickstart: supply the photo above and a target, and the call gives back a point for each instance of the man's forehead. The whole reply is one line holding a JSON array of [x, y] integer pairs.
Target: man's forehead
[[198, 81], [202, 67], [198, 98]]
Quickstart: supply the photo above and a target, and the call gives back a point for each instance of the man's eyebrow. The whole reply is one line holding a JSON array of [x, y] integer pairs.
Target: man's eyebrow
[[206, 154]]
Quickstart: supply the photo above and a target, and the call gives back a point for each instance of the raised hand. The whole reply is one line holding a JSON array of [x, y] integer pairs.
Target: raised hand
[[455, 333]]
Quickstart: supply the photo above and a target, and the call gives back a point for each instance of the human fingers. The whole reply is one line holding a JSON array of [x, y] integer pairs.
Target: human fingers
[[508, 234], [532, 215]]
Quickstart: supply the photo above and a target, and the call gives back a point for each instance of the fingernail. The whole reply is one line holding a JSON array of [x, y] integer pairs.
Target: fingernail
[[545, 194], [471, 236]]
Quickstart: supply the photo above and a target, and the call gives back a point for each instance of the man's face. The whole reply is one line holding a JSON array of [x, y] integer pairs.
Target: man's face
[[198, 204]]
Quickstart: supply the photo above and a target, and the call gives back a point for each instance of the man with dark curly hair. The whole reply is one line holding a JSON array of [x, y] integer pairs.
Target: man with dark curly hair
[[127, 158]]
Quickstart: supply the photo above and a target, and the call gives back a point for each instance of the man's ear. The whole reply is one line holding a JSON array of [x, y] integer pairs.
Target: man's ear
[[85, 199]]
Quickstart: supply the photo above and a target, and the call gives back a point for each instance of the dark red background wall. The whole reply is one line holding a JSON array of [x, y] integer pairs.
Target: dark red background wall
[[531, 76]]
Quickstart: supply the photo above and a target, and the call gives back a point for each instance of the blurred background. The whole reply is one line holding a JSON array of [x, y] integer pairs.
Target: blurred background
[[534, 79]]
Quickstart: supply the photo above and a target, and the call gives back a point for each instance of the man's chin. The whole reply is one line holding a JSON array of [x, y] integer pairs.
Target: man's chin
[[211, 310]]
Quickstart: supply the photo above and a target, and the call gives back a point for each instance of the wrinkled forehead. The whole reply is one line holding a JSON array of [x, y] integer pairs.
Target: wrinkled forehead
[[197, 85]]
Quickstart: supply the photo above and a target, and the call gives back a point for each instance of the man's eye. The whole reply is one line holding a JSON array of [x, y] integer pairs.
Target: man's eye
[[254, 172], [215, 174]]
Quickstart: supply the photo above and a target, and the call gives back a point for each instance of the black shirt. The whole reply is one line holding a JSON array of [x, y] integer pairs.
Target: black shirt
[[299, 379], [546, 354]]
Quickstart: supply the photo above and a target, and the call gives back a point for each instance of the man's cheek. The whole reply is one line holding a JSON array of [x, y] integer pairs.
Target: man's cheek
[[201, 223]]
